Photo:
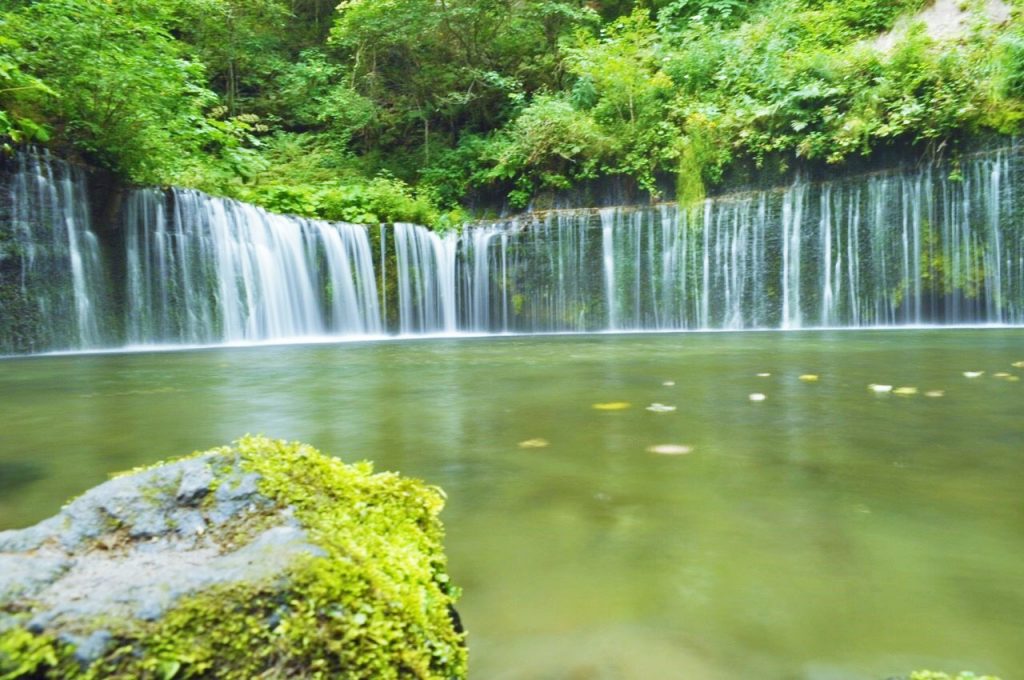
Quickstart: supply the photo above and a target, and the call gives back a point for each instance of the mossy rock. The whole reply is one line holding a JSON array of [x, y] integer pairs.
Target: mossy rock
[[263, 559]]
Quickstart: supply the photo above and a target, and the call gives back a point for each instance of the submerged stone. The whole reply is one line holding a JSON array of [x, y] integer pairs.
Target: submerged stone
[[264, 559]]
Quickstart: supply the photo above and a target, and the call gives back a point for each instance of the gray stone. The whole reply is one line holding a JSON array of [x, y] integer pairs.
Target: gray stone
[[196, 480], [33, 537], [25, 572], [188, 522], [88, 648], [235, 494], [131, 548], [243, 487]]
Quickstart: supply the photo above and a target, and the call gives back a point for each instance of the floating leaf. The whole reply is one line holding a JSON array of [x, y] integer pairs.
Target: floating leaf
[[612, 406], [764, 375], [973, 374], [905, 391], [669, 383], [670, 449], [660, 408], [1018, 364], [757, 396], [534, 443], [1001, 375], [935, 394], [809, 377], [880, 389]]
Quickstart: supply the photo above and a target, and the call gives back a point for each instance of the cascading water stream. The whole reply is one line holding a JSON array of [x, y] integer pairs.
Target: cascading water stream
[[893, 248], [882, 250], [213, 270], [53, 289], [426, 280]]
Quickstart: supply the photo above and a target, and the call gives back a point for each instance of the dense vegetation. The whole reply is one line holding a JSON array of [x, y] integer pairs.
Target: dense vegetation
[[401, 109]]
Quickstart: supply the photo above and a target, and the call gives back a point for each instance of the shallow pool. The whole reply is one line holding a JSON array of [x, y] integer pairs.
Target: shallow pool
[[829, 531]]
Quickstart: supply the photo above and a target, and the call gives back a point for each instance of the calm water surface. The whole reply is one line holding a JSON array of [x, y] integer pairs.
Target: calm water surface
[[826, 533]]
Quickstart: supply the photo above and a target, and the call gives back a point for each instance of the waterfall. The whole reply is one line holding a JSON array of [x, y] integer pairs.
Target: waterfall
[[426, 280], [938, 245], [205, 270], [478, 288], [892, 248], [53, 283]]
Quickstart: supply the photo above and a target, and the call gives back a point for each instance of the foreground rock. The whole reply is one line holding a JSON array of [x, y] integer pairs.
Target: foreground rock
[[263, 559]]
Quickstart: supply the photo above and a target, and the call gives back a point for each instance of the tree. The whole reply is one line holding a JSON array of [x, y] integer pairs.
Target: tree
[[120, 88]]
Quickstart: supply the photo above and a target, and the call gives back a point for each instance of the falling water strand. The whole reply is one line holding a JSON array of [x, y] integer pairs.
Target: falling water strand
[[54, 290]]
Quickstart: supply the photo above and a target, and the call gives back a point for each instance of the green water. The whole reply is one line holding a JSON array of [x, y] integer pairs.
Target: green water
[[827, 532]]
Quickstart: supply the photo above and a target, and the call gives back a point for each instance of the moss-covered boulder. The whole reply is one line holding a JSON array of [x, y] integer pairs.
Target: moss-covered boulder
[[263, 559]]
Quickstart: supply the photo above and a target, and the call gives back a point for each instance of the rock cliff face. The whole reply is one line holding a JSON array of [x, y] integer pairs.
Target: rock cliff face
[[261, 559]]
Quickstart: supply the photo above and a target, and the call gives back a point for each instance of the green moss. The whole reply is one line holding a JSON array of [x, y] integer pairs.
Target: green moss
[[376, 606], [24, 655], [690, 188]]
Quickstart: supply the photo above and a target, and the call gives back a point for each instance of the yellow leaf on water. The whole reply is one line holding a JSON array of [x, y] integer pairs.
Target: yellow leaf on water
[[905, 391], [809, 377], [935, 393], [880, 389], [612, 406], [1018, 364], [534, 443]]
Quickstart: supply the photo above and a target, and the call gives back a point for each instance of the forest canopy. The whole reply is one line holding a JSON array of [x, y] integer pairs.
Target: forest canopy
[[381, 110]]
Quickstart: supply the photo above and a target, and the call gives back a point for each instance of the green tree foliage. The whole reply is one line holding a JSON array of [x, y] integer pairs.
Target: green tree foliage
[[548, 145], [623, 66], [441, 69], [239, 41], [400, 109], [118, 85], [17, 89]]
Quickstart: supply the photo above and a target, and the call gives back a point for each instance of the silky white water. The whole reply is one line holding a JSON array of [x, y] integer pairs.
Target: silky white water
[[894, 248]]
